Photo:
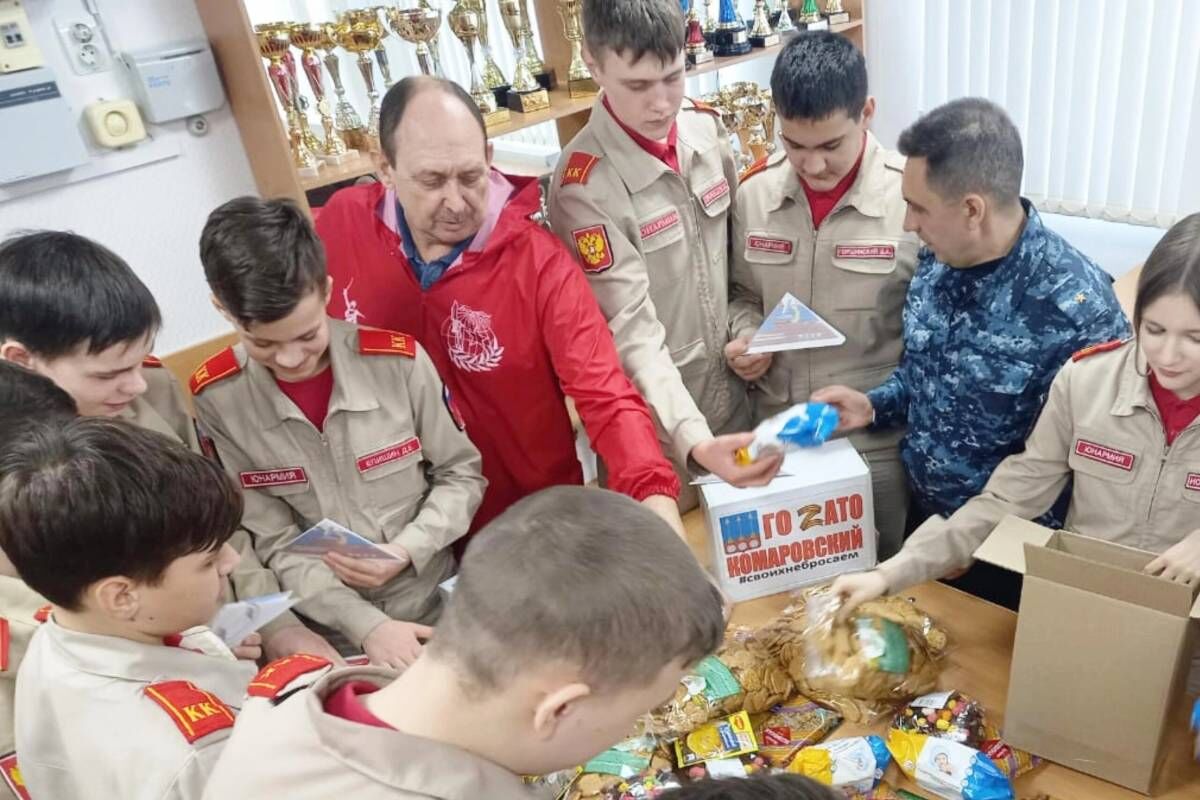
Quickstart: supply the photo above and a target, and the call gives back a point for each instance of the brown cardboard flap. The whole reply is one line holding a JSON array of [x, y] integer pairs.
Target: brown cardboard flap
[[1196, 609], [1117, 555], [1106, 580], [1005, 546]]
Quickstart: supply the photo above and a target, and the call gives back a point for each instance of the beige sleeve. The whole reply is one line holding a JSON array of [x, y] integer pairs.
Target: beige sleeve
[[269, 520], [745, 290], [455, 469], [193, 774], [1024, 485], [623, 291]]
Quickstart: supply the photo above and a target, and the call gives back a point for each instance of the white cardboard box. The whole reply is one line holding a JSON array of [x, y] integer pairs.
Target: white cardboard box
[[804, 528]]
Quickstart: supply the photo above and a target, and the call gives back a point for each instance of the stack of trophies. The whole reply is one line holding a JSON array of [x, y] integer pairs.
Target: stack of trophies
[[725, 34], [362, 32], [748, 113]]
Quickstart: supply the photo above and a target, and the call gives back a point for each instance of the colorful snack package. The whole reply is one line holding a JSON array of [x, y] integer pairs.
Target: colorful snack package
[[763, 680], [723, 738], [946, 715], [648, 784], [624, 759], [1012, 762], [948, 769], [802, 425], [788, 728], [700, 696], [739, 767], [852, 766], [553, 786]]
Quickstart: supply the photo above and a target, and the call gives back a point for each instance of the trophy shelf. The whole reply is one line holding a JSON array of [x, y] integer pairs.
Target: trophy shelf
[[561, 105]]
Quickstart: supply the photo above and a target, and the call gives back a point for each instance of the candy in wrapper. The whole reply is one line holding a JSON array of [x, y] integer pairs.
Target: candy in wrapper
[[852, 766], [722, 738], [802, 425], [946, 715], [1012, 762], [788, 728], [948, 769]]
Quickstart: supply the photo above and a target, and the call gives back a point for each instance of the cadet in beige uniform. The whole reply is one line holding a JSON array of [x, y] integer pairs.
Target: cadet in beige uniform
[[642, 195], [173, 707], [391, 465], [823, 220], [320, 755]]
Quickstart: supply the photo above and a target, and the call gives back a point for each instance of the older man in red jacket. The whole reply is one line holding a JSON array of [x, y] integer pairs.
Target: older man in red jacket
[[444, 248]]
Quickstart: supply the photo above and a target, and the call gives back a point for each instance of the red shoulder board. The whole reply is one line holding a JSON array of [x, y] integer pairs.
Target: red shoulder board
[[753, 169], [151, 361], [195, 712], [11, 775], [705, 107], [41, 615], [220, 366], [579, 167], [5, 643], [275, 677], [374, 342], [1097, 348]]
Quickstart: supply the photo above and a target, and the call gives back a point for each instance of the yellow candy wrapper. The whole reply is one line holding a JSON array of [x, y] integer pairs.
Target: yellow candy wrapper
[[723, 738]]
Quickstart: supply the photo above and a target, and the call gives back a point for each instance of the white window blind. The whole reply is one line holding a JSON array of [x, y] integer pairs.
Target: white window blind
[[1106, 93]]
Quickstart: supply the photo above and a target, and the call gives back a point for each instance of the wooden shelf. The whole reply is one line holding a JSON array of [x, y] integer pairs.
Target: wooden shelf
[[561, 105], [846, 26]]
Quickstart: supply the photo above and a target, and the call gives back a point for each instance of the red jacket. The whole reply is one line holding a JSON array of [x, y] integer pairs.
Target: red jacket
[[511, 328]]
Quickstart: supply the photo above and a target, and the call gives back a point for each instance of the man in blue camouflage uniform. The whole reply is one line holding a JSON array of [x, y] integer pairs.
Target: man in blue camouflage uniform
[[997, 305]]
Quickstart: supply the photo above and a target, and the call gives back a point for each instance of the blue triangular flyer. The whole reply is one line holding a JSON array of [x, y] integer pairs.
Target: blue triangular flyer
[[794, 326]]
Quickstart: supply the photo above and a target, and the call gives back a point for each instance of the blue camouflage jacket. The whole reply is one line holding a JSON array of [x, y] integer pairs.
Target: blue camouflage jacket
[[981, 347]]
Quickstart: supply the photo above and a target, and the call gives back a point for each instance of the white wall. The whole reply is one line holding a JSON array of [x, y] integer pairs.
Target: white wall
[[150, 215]]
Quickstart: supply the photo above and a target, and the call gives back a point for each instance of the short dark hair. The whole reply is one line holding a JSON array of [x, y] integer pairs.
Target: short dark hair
[[608, 587], [261, 258], [1172, 267], [91, 497], [26, 396], [969, 145], [818, 73], [637, 27], [395, 104], [60, 291], [756, 787]]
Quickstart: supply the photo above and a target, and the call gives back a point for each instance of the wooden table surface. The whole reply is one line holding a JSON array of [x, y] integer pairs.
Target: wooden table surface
[[981, 640]]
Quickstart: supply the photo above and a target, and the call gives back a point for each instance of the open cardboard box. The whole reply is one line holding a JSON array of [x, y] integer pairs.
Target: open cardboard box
[[1102, 651]]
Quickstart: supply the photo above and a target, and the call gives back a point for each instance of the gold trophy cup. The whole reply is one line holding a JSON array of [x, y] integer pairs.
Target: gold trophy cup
[[696, 48], [348, 123], [580, 82], [526, 95], [810, 15], [464, 22], [835, 13], [274, 43], [361, 36], [493, 77], [761, 32], [418, 26], [308, 37], [298, 98], [541, 73]]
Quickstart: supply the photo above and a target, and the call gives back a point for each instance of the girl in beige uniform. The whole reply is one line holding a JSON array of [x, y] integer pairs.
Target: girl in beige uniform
[[1120, 421]]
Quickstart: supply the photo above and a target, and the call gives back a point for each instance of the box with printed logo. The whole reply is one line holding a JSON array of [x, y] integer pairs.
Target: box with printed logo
[[808, 526], [1102, 650]]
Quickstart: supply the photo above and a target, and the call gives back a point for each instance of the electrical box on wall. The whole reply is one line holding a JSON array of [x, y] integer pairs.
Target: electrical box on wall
[[175, 82], [18, 51], [39, 134]]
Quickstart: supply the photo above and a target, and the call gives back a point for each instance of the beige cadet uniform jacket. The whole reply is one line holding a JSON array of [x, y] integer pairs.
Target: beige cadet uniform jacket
[[1101, 428], [19, 606], [853, 271], [104, 717], [392, 465], [654, 245], [295, 750]]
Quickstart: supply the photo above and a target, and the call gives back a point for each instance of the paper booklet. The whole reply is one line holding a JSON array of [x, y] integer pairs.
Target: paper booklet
[[329, 537], [794, 326], [235, 621]]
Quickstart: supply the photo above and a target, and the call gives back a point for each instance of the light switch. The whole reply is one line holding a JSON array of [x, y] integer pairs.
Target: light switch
[[115, 123]]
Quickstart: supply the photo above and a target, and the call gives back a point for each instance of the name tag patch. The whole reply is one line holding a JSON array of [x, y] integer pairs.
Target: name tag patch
[[879, 251], [1193, 481], [715, 193], [764, 244], [1104, 455], [667, 220], [265, 478], [389, 454]]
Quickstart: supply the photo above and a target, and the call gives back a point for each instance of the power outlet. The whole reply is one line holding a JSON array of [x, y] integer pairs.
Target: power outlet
[[84, 45]]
